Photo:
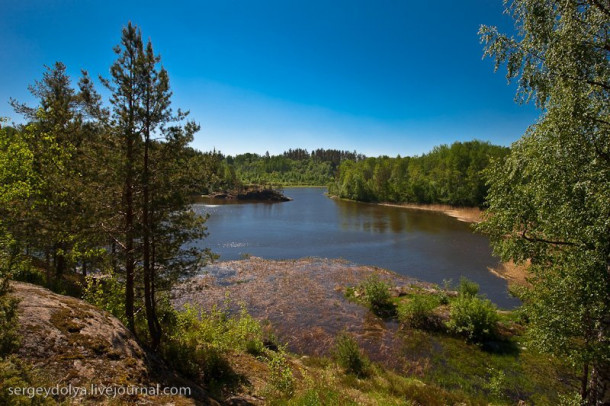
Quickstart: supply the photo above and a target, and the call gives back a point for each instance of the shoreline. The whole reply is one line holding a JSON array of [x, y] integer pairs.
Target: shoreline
[[302, 186], [509, 271], [465, 214], [257, 195]]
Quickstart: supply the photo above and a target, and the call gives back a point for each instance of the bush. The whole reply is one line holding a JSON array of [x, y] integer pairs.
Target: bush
[[214, 366], [199, 341], [281, 374], [29, 275], [467, 288], [377, 296], [9, 335], [419, 312], [14, 373], [107, 293], [473, 318], [349, 356]]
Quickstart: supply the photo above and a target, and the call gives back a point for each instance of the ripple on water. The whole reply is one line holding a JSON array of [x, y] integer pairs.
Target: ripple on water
[[234, 244]]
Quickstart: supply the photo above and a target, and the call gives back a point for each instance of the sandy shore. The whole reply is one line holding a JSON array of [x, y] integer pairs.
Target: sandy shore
[[466, 214], [512, 272]]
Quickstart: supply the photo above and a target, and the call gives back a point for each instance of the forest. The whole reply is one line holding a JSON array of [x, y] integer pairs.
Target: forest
[[448, 175], [295, 167], [451, 174], [101, 185], [212, 171]]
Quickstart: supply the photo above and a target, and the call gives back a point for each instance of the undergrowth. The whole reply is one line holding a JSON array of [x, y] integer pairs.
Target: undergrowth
[[454, 354], [374, 294], [349, 355]]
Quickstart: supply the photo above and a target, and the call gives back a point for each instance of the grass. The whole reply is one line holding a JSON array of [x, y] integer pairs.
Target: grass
[[380, 387], [498, 369], [504, 377], [441, 368], [231, 352], [491, 365]]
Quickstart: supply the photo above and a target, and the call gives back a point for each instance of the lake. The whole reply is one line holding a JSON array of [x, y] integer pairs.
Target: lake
[[426, 245]]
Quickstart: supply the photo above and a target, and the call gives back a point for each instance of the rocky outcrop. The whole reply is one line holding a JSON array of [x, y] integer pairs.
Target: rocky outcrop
[[78, 345], [267, 195]]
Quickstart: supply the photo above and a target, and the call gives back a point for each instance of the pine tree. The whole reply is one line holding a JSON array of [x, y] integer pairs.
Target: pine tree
[[156, 222], [126, 102], [59, 218]]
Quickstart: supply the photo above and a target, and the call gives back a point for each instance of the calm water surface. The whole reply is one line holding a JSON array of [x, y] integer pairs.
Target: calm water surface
[[426, 245]]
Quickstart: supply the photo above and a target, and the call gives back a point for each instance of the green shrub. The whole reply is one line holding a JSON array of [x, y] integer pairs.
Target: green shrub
[[107, 293], [473, 318], [213, 365], [350, 293], [467, 288], [281, 378], [496, 382], [572, 399], [14, 373], [317, 396], [199, 342], [30, 275], [377, 296], [248, 333], [419, 312], [349, 356], [9, 335]]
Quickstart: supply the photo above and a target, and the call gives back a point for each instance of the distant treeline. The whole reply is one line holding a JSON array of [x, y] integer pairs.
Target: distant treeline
[[293, 167], [448, 175]]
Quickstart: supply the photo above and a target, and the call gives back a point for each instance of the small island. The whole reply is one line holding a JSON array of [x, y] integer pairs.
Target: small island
[[252, 194]]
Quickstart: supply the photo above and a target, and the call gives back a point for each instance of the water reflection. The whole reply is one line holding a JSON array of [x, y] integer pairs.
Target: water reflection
[[427, 245]]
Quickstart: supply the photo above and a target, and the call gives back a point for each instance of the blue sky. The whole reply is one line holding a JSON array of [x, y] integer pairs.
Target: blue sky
[[380, 77]]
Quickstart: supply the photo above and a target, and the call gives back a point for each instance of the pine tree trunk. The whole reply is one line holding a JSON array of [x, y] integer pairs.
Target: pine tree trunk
[[129, 239], [60, 261], [599, 390], [599, 382], [47, 256], [153, 278], [146, 242], [115, 266], [603, 383], [584, 382]]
